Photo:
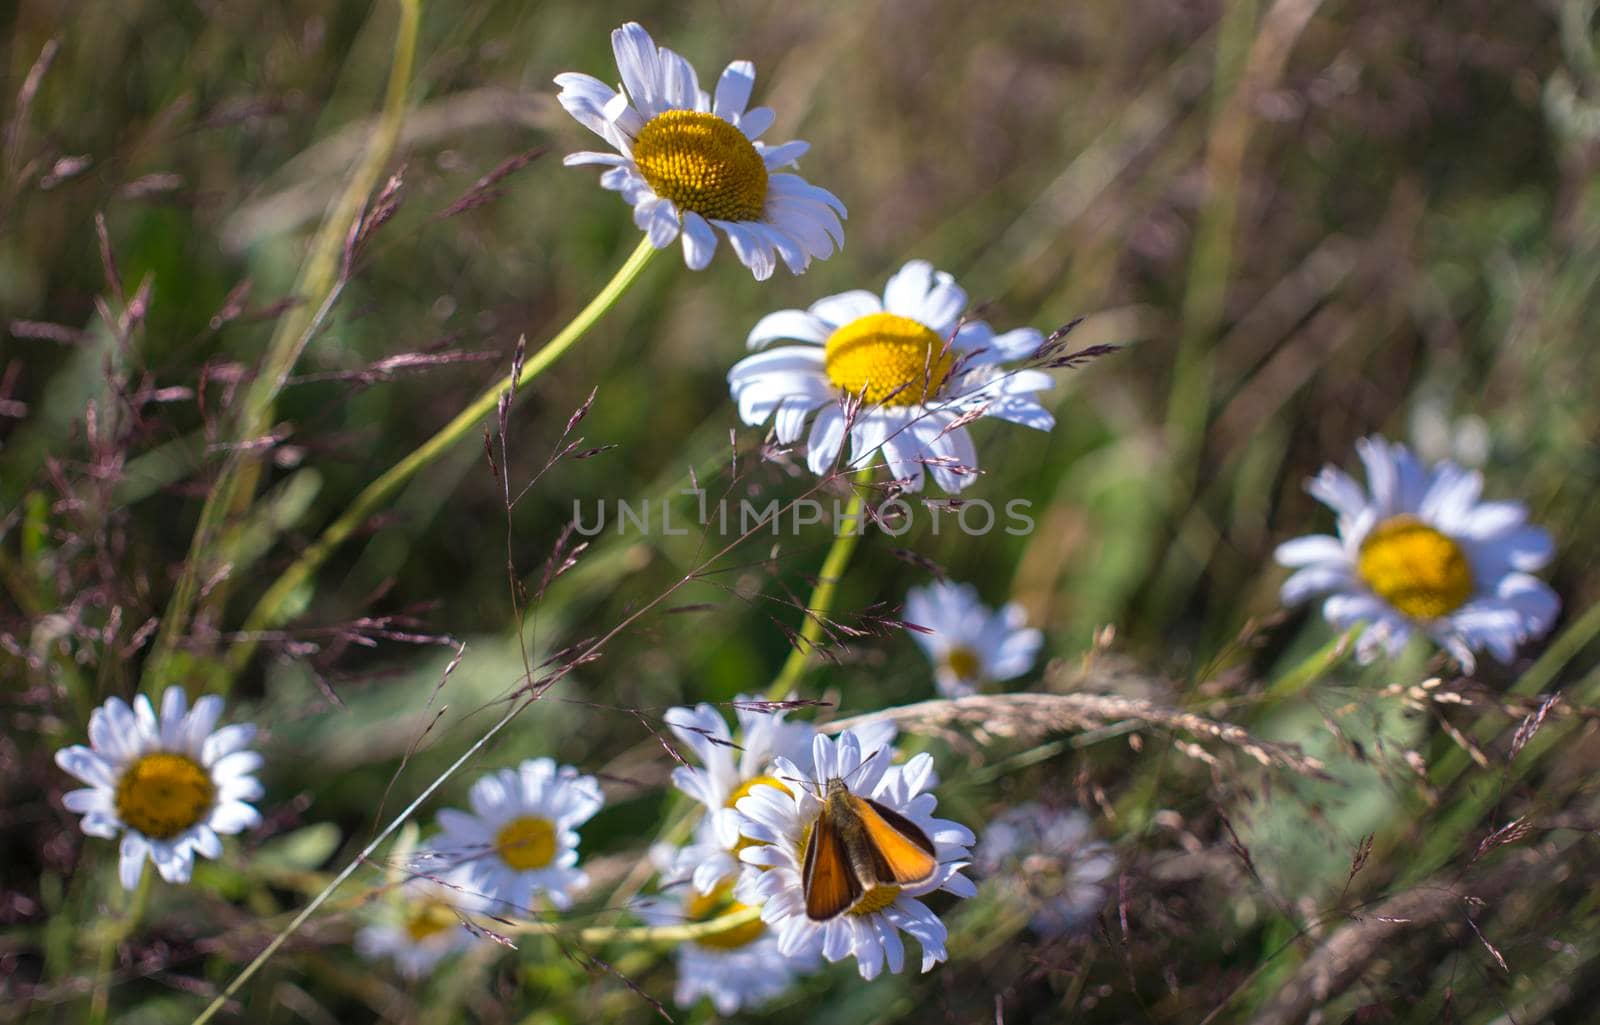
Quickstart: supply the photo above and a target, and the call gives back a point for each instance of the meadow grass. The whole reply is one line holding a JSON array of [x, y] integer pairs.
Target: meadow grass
[[265, 269]]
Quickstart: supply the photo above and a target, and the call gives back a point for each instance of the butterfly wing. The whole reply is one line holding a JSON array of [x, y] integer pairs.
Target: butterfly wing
[[902, 854], [831, 886]]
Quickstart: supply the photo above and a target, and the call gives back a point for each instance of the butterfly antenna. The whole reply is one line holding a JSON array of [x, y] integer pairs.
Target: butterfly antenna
[[868, 760]]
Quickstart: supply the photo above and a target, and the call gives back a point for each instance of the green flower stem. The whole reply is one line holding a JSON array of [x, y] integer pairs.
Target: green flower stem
[[638, 933], [821, 601], [268, 612], [1447, 837], [1309, 669], [321, 280], [111, 938]]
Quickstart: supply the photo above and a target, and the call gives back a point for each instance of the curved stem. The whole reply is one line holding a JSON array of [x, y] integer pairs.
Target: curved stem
[[268, 610], [322, 278], [821, 601], [114, 934], [641, 933]]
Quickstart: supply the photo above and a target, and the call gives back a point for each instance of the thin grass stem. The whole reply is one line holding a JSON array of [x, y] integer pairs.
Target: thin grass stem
[[269, 610], [821, 601], [321, 279]]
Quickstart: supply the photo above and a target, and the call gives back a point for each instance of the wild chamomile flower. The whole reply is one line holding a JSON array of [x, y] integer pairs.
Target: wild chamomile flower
[[169, 785], [1418, 551], [969, 644], [1051, 860], [731, 763], [916, 371], [736, 968], [520, 840], [781, 820], [689, 160], [421, 921]]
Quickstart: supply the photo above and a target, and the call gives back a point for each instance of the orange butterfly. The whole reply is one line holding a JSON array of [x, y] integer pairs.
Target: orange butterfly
[[856, 845]]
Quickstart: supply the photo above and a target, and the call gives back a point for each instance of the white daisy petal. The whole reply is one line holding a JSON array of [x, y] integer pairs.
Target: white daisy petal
[[174, 707], [956, 454], [586, 99], [131, 858], [908, 289], [943, 305], [658, 219], [838, 310], [680, 85], [755, 122], [87, 800], [639, 62], [1489, 521], [175, 864], [1309, 550], [240, 763], [88, 766], [202, 720], [699, 241], [206, 842], [753, 250], [796, 188], [592, 157], [795, 324], [1022, 343], [234, 817], [1315, 580], [226, 741], [1338, 491], [784, 155], [144, 717], [733, 89]]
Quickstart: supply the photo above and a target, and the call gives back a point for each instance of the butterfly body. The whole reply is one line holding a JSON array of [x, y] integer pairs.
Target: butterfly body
[[856, 846]]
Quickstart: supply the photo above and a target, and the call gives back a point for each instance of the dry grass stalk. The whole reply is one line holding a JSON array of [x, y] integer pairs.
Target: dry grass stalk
[[1027, 716], [1371, 934]]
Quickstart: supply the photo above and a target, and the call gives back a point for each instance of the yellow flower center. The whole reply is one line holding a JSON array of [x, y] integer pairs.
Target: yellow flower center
[[430, 918], [162, 794], [1415, 568], [750, 784], [891, 360], [964, 662], [875, 900], [719, 902], [526, 843], [702, 163], [743, 790]]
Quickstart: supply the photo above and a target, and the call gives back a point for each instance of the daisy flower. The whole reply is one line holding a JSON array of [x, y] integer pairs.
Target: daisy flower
[[1417, 551], [782, 820], [688, 160], [903, 374], [168, 785], [520, 839], [1051, 860], [420, 922], [730, 765], [737, 968], [969, 645]]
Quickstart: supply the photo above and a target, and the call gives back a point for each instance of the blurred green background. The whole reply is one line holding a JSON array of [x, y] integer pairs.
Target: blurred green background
[[1303, 221]]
